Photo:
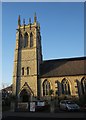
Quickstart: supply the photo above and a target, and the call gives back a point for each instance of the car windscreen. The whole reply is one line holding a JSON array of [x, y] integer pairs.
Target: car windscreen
[[70, 102]]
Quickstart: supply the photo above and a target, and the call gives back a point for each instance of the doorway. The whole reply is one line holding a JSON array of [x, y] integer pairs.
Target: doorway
[[24, 96]]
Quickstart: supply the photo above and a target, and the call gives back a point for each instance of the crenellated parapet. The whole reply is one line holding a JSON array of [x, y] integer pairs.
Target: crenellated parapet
[[30, 25]]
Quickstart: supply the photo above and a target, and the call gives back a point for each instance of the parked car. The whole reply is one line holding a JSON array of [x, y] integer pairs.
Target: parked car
[[69, 105]]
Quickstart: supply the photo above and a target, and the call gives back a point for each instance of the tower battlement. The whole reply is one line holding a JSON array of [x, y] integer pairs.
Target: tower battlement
[[30, 24]]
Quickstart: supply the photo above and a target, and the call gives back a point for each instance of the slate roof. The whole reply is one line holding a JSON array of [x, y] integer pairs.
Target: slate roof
[[63, 67], [9, 88]]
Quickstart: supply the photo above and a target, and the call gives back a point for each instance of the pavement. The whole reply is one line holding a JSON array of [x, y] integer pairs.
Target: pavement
[[77, 115], [49, 115]]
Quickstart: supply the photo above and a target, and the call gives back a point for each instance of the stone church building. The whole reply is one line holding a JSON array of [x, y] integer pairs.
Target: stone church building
[[33, 76]]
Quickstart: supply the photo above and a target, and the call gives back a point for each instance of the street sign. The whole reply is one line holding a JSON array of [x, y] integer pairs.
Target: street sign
[[32, 106], [40, 103], [23, 106]]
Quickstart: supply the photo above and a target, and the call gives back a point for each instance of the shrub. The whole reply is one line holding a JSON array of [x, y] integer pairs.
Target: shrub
[[82, 99]]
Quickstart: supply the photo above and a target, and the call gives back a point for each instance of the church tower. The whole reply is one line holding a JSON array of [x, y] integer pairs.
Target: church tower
[[27, 60]]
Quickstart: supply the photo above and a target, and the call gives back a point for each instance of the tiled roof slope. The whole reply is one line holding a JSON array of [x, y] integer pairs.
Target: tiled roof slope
[[9, 88], [63, 67]]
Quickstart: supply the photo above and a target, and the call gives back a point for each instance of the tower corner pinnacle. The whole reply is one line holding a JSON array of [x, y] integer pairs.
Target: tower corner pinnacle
[[19, 21], [35, 18]]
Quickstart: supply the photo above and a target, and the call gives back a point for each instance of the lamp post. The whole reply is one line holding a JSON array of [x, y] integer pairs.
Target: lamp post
[[51, 92]]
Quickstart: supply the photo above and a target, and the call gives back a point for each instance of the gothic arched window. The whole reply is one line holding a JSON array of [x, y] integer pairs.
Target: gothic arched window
[[31, 40], [65, 87], [28, 70], [22, 70], [83, 85], [25, 40], [46, 88]]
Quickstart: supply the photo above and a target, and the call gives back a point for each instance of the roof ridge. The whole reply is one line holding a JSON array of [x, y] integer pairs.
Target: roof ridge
[[61, 59]]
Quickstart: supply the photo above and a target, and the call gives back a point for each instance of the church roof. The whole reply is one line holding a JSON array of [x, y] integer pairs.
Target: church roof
[[63, 67]]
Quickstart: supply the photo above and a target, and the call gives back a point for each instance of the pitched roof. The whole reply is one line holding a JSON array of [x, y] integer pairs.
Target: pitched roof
[[9, 88], [26, 84], [63, 67]]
